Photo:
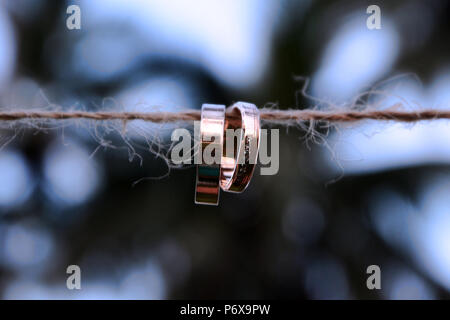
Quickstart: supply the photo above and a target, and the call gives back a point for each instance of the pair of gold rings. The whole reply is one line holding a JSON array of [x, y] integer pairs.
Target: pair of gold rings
[[225, 164]]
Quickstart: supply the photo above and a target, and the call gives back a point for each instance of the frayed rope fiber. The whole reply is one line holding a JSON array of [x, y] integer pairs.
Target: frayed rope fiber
[[267, 115]]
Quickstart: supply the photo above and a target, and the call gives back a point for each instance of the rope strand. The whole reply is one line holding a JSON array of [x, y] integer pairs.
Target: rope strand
[[267, 115]]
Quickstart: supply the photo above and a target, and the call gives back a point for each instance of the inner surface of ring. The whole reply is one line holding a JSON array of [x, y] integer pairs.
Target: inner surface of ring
[[229, 157]]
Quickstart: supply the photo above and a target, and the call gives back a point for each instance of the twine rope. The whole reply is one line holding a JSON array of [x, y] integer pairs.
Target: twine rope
[[267, 115]]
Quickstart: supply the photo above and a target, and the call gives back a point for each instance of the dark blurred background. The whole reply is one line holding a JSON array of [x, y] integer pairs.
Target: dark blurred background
[[357, 195]]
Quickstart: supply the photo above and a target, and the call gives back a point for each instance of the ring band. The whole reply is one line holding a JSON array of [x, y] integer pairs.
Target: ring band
[[212, 123], [239, 162]]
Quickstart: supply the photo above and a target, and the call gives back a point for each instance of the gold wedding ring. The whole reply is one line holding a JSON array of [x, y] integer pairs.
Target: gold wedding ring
[[239, 160], [212, 123]]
